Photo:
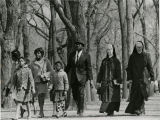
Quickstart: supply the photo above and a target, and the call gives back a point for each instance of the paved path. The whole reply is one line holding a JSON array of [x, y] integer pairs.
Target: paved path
[[152, 112]]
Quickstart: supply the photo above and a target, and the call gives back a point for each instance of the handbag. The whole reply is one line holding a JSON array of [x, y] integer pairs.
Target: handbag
[[44, 79]]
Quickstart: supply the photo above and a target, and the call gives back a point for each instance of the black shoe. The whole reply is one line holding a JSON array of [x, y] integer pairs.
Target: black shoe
[[41, 115], [57, 116], [81, 114], [78, 111], [53, 115], [64, 114], [110, 114], [137, 112]]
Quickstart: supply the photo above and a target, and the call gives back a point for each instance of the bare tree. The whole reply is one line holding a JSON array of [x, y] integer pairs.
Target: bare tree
[[142, 16], [52, 36], [130, 32], [8, 27], [23, 29], [156, 5], [124, 44], [99, 19], [48, 32]]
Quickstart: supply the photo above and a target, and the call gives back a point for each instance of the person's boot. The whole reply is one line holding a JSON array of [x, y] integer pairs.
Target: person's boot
[[110, 114], [64, 114], [81, 113]]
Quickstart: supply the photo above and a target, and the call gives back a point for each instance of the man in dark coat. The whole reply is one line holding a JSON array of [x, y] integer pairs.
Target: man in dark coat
[[139, 61], [79, 66]]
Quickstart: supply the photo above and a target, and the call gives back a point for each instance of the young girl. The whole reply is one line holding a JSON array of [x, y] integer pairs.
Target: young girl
[[23, 84], [59, 90]]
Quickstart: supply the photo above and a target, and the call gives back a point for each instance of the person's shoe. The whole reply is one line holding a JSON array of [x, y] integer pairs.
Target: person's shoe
[[80, 114], [41, 115], [64, 114], [57, 116], [29, 117], [137, 112], [110, 114], [53, 115]]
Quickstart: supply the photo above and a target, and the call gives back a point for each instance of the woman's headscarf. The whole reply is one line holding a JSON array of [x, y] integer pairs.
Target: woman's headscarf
[[135, 50]]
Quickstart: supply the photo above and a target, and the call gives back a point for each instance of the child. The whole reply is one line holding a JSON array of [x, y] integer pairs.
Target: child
[[59, 90], [23, 83]]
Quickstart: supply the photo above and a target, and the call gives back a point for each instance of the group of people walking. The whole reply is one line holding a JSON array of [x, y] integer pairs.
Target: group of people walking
[[31, 81], [109, 80]]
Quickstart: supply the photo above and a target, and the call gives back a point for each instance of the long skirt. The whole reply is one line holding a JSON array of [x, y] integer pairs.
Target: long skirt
[[137, 98], [109, 107]]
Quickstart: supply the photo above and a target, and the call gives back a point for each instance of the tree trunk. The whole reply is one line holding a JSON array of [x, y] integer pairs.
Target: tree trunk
[[52, 52], [8, 30], [8, 41], [143, 23], [88, 26], [157, 67], [129, 26], [124, 44], [156, 5], [24, 28], [70, 104]]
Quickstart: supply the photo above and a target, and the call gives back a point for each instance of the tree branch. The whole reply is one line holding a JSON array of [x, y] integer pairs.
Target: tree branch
[[41, 15], [43, 18], [61, 14], [138, 9], [60, 30], [149, 42], [39, 31]]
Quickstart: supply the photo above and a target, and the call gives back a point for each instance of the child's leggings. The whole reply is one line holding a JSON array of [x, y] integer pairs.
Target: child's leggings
[[60, 106]]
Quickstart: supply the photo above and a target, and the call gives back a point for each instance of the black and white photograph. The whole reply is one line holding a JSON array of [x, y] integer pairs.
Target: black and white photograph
[[79, 59]]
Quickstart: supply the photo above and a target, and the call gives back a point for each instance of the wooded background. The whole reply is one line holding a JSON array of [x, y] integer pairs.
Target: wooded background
[[56, 24]]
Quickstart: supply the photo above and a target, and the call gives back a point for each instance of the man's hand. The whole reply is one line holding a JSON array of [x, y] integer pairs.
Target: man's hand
[[91, 84]]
